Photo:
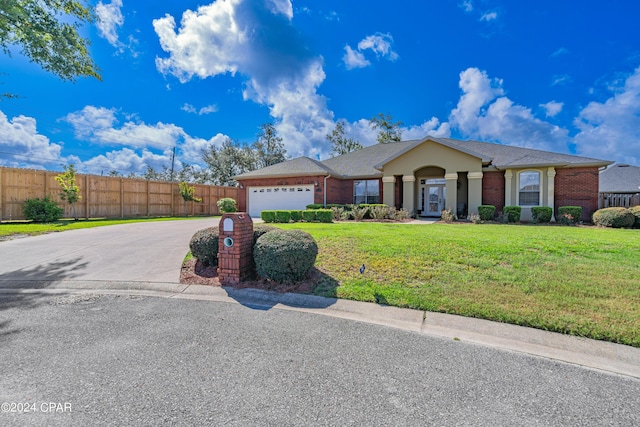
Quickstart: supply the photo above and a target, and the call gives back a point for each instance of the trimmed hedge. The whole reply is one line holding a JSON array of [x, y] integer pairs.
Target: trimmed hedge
[[324, 215], [614, 217], [296, 216], [486, 212], [260, 229], [268, 216], [284, 255], [570, 214], [283, 217], [636, 212], [315, 206], [309, 215], [512, 213], [41, 210], [541, 214], [204, 245]]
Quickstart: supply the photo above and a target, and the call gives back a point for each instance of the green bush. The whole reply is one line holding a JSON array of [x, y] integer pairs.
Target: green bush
[[614, 217], [284, 255], [486, 212], [41, 210], [227, 205], [315, 206], [324, 215], [204, 245], [512, 213], [260, 229], [268, 216], [541, 214], [636, 212], [296, 216], [283, 217], [309, 215], [570, 214]]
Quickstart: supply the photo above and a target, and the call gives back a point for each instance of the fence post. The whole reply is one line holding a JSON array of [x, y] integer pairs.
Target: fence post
[[1, 195], [87, 196]]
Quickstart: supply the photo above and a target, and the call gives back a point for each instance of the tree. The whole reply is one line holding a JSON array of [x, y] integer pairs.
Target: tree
[[268, 148], [227, 161], [43, 30], [339, 144], [188, 195], [114, 172], [389, 131], [70, 190]]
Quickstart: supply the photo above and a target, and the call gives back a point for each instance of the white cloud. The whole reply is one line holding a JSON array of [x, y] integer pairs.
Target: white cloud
[[281, 6], [483, 112], [109, 20], [204, 110], [467, 6], [354, 59], [552, 108], [23, 146], [489, 16], [258, 41], [378, 43], [611, 129], [560, 52], [561, 79], [431, 127], [126, 160]]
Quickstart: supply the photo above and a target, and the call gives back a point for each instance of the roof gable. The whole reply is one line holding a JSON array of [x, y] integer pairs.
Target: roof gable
[[620, 178], [300, 166]]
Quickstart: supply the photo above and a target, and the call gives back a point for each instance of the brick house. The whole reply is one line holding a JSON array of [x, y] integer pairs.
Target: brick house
[[427, 176]]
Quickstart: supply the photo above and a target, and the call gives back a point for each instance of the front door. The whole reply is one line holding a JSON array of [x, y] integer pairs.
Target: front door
[[433, 199]]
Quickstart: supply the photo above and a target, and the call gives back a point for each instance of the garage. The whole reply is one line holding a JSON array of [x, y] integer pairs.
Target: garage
[[282, 197]]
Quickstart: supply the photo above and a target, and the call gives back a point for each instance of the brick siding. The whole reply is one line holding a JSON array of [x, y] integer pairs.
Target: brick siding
[[493, 189], [577, 187]]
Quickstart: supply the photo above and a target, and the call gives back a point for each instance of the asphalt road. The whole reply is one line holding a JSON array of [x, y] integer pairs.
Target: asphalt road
[[131, 360]]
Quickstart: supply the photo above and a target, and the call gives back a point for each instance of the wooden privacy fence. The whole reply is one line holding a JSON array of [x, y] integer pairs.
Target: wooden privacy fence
[[609, 200], [106, 197]]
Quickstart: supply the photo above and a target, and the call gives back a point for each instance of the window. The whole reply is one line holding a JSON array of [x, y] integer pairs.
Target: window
[[529, 190], [366, 191]]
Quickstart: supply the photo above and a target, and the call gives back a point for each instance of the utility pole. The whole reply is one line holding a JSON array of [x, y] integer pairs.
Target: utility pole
[[173, 161]]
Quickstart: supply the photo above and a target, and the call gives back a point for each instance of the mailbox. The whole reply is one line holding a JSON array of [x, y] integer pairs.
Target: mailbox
[[235, 248]]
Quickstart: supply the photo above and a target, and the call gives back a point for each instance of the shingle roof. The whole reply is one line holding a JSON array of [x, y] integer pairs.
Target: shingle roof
[[620, 178], [300, 166], [369, 161]]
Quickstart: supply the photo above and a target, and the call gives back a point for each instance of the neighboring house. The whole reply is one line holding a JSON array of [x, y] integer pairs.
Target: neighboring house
[[620, 186], [427, 176]]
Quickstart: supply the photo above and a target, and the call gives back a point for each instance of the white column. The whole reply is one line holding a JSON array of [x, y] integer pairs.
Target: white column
[[508, 176], [388, 190], [551, 191], [475, 191], [451, 201], [409, 193]]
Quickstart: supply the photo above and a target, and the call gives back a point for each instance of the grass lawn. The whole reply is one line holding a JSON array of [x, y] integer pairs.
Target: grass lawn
[[32, 229], [579, 281]]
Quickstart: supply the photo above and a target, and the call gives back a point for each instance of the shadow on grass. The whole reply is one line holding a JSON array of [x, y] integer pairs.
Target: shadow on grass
[[318, 290]]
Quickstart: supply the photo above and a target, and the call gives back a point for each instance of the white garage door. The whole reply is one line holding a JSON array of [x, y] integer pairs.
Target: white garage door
[[283, 197]]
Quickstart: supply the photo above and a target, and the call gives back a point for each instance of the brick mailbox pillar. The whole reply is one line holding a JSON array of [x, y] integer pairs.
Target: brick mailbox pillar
[[235, 252]]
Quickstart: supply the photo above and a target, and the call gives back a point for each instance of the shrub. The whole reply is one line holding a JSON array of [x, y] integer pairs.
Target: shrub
[[309, 215], [315, 206], [380, 212], [402, 214], [284, 255], [268, 216], [324, 215], [571, 214], [227, 205], [448, 215], [204, 245], [486, 212], [475, 218], [512, 213], [636, 212], [614, 217], [359, 212], [260, 229], [41, 210], [337, 213], [295, 215], [283, 216], [541, 214]]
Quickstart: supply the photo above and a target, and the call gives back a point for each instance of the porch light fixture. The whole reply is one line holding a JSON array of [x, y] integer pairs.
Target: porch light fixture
[[241, 186], [317, 183]]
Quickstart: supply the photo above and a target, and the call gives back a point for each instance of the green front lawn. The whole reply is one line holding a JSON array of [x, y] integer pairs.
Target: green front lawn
[[8, 229], [580, 281]]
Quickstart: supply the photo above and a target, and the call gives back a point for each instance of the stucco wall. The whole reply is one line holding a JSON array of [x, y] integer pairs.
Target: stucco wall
[[432, 154], [577, 187]]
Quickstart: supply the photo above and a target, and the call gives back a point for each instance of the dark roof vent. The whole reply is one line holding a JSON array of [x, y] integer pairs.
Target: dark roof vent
[[623, 165]]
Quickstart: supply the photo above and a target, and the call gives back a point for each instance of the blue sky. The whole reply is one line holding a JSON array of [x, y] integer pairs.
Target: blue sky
[[552, 75]]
